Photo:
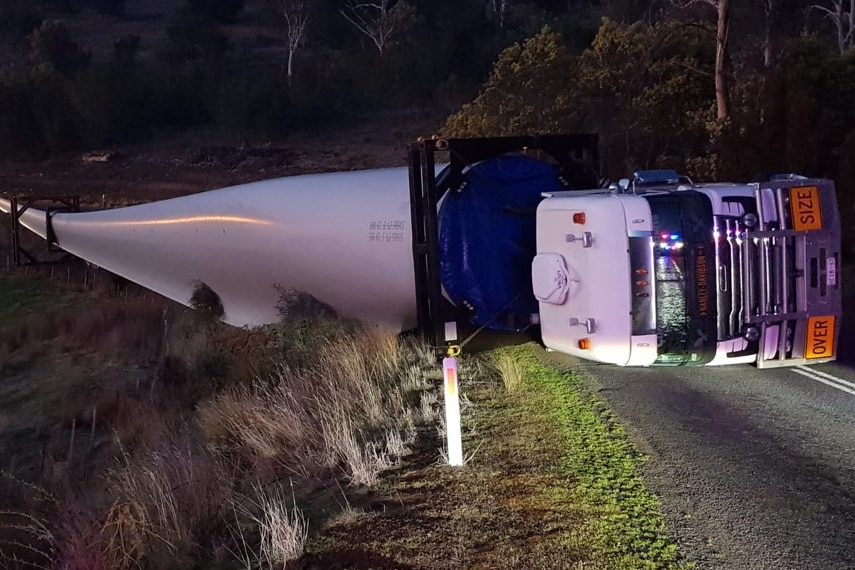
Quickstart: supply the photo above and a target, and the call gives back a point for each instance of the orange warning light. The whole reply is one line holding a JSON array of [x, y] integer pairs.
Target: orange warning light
[[579, 218], [584, 343]]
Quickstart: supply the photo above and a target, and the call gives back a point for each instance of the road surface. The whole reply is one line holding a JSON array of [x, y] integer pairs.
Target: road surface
[[755, 468]]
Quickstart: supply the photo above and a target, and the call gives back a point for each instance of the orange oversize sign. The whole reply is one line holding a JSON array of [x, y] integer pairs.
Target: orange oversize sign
[[820, 337], [804, 207]]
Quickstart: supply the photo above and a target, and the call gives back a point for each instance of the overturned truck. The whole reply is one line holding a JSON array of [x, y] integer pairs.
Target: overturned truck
[[513, 236]]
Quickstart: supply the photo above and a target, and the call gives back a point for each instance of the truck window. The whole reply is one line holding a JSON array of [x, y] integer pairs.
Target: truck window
[[684, 275]]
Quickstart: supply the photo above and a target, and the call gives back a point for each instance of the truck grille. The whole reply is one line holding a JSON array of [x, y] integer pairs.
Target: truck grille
[[774, 277]]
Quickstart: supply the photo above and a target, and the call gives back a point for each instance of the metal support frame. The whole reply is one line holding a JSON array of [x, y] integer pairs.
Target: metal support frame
[[424, 197], [575, 156], [51, 205]]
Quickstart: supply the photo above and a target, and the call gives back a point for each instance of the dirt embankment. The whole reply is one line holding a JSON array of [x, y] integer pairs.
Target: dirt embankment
[[175, 164]]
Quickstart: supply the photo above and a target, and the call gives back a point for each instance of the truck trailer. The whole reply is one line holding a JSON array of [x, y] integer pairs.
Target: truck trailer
[[517, 236]]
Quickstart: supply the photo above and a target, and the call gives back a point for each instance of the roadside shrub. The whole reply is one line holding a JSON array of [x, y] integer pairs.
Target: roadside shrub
[[177, 99], [206, 301], [110, 102], [36, 114], [530, 90], [254, 105], [50, 44], [631, 86], [305, 326]]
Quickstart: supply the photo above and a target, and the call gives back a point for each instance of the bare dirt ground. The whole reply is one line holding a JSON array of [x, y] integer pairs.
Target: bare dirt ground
[[176, 164]]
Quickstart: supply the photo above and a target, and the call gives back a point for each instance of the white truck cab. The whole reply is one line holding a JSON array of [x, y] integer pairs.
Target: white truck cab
[[660, 271]]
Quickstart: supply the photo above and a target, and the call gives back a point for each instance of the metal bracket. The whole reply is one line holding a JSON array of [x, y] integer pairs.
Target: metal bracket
[[52, 205], [590, 324], [586, 238]]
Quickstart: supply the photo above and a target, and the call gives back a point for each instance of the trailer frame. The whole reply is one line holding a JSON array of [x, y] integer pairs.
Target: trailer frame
[[52, 205], [576, 159]]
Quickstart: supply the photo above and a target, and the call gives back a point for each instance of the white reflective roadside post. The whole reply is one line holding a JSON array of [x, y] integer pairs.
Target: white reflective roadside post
[[452, 411]]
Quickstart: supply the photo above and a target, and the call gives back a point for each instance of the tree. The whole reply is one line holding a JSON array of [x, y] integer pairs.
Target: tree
[[769, 13], [51, 44], [498, 9], [372, 18], [842, 16], [297, 14], [532, 89], [721, 78], [646, 90]]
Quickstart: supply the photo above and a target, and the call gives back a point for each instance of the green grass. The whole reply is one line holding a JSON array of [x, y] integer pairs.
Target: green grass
[[603, 467], [21, 297], [555, 483]]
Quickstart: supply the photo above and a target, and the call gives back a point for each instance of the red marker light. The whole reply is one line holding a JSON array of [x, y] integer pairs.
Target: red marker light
[[579, 218], [584, 343], [641, 272], [642, 283]]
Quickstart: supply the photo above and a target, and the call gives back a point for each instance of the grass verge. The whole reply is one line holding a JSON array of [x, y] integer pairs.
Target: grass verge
[[625, 519], [555, 483]]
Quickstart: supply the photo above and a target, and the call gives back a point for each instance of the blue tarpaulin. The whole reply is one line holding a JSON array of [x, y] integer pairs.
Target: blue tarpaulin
[[487, 239]]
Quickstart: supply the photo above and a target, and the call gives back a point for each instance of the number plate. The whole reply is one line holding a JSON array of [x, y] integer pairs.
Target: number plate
[[820, 337], [831, 272], [804, 207]]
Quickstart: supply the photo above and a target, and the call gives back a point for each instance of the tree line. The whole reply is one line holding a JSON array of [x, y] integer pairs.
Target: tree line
[[714, 87]]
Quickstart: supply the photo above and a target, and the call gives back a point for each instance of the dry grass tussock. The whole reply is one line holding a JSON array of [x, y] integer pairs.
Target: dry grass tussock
[[164, 499], [282, 530], [182, 488], [351, 408], [510, 370]]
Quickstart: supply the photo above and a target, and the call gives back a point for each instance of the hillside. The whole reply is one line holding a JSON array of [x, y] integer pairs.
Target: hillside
[[257, 36]]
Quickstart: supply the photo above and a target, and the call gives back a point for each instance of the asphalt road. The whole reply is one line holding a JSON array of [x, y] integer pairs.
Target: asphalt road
[[755, 468]]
